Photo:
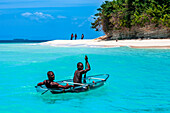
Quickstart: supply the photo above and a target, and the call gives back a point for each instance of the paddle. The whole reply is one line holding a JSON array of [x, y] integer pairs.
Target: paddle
[[85, 73], [44, 91]]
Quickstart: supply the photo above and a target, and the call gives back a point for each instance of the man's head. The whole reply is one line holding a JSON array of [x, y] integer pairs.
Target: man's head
[[50, 75], [79, 66]]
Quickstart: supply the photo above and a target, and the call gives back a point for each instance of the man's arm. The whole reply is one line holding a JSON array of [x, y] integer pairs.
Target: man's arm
[[86, 70], [61, 86], [67, 86], [88, 65], [41, 83]]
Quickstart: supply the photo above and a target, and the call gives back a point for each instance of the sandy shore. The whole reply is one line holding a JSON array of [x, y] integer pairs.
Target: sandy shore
[[150, 43]]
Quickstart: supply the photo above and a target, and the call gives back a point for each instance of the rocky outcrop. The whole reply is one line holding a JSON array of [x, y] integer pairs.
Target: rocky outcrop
[[148, 32]]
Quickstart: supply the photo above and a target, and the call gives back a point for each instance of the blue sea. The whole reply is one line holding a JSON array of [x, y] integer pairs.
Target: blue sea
[[139, 79]]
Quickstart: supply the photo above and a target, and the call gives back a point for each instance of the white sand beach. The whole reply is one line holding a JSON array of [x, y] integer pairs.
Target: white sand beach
[[149, 43]]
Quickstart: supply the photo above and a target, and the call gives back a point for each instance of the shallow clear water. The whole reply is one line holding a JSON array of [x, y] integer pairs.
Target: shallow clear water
[[139, 79]]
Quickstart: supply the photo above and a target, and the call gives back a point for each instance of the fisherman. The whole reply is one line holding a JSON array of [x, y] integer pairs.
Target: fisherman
[[78, 73], [72, 36], [82, 36], [75, 36], [50, 82]]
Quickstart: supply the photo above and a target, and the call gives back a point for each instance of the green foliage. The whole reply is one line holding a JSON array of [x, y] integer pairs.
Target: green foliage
[[121, 14]]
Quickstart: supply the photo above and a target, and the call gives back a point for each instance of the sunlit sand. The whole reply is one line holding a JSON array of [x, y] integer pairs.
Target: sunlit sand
[[148, 43]]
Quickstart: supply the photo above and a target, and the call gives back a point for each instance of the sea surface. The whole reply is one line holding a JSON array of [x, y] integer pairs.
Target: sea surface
[[139, 79]]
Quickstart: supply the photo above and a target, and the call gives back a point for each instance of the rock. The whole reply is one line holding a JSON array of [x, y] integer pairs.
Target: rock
[[147, 32]]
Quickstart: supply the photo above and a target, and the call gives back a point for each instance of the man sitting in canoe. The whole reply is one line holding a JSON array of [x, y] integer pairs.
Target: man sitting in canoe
[[50, 82], [78, 73]]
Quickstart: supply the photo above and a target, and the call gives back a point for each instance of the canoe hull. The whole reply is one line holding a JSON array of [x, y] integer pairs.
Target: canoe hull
[[90, 84]]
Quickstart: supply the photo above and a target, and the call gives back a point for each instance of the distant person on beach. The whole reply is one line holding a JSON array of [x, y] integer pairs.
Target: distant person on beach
[[82, 36], [72, 36], [50, 82], [78, 73], [75, 36]]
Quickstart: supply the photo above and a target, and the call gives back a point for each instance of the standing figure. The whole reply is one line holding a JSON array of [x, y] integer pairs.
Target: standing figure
[[82, 36], [72, 36], [75, 36]]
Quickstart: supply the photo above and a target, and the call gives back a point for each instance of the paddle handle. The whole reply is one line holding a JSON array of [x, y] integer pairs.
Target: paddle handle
[[85, 68]]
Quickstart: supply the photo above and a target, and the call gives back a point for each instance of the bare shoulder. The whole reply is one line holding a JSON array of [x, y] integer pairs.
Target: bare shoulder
[[81, 71], [55, 83], [76, 71], [44, 81]]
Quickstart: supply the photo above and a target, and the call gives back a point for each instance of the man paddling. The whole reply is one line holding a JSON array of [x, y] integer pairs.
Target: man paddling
[[50, 82], [78, 73]]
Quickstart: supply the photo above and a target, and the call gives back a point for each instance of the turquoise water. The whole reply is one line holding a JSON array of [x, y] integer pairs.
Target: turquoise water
[[139, 79]]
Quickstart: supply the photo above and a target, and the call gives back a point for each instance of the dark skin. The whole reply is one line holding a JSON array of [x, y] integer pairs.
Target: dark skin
[[82, 36], [78, 73], [51, 84], [75, 36], [72, 36]]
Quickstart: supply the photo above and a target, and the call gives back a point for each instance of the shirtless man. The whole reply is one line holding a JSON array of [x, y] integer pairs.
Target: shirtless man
[[50, 82], [75, 36], [72, 36], [82, 36], [78, 73]]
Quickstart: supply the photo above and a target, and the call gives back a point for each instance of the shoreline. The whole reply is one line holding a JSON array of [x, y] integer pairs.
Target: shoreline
[[145, 43]]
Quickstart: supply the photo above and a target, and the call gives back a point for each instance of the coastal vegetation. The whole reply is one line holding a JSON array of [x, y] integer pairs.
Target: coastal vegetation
[[131, 19]]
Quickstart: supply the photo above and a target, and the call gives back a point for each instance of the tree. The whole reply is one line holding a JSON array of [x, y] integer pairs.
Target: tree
[[125, 14]]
